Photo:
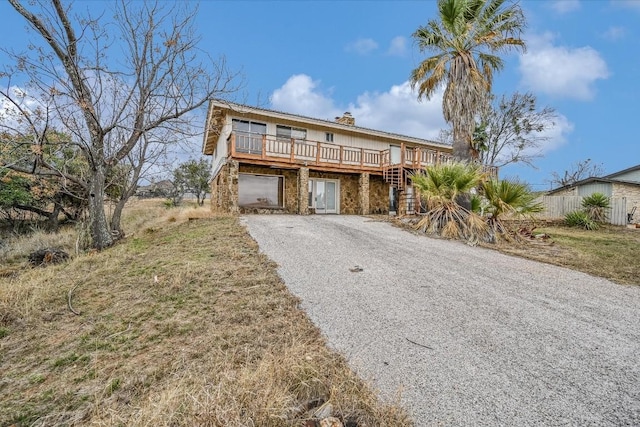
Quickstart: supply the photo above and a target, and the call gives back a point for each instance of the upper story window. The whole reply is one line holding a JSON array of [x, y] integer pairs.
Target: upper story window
[[248, 135], [328, 137], [287, 132], [249, 127]]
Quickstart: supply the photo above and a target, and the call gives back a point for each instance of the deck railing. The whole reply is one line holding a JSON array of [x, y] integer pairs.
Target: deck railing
[[269, 148]]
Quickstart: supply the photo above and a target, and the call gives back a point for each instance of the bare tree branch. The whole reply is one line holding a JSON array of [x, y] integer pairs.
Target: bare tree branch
[[513, 129], [119, 94]]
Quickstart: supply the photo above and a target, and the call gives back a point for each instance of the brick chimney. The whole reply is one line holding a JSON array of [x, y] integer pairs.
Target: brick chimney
[[346, 119]]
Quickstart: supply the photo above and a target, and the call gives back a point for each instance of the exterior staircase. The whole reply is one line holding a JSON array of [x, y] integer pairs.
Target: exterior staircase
[[397, 176]]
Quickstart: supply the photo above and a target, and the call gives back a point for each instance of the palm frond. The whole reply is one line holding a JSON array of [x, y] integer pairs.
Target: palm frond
[[465, 39]]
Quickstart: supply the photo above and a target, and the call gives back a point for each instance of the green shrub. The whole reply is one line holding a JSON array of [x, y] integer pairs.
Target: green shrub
[[580, 219], [507, 199], [595, 206]]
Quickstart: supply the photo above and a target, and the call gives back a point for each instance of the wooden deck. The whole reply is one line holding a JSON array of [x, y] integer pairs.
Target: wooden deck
[[272, 151]]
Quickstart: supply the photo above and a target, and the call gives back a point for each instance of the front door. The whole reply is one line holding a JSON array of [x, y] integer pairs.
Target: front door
[[395, 152], [324, 196]]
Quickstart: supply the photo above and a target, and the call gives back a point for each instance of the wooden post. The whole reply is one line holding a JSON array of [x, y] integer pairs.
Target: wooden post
[[437, 157], [264, 146], [318, 148], [341, 154], [293, 150], [361, 156], [402, 154], [232, 151]]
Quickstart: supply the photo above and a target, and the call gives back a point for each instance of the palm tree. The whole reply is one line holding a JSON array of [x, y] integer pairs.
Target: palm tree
[[440, 186], [465, 41]]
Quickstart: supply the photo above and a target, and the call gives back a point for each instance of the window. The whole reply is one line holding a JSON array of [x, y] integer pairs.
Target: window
[[328, 137], [287, 132], [249, 135], [260, 191]]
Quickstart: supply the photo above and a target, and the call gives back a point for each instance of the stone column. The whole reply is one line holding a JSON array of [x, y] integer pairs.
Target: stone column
[[363, 193], [232, 187], [303, 191], [213, 205]]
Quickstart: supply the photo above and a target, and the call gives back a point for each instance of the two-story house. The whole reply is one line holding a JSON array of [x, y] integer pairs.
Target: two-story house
[[265, 160]]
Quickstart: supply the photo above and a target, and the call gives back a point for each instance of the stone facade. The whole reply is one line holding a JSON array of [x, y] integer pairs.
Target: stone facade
[[378, 195], [349, 201], [630, 192], [303, 191], [224, 189], [360, 194], [363, 193]]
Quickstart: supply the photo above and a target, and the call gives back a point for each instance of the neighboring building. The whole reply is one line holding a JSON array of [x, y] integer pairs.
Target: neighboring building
[[156, 189], [624, 184], [265, 160]]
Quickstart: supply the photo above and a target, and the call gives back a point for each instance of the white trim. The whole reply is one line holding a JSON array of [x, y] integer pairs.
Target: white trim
[[313, 182]]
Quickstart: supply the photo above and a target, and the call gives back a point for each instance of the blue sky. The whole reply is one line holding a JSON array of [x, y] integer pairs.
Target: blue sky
[[321, 58]]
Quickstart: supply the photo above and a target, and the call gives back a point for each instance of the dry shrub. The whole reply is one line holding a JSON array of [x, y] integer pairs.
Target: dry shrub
[[452, 221], [16, 249]]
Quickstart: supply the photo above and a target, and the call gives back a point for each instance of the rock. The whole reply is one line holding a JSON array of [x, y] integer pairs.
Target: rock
[[331, 422], [324, 411], [43, 257]]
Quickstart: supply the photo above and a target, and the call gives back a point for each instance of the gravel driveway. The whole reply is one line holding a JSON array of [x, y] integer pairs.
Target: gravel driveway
[[467, 336]]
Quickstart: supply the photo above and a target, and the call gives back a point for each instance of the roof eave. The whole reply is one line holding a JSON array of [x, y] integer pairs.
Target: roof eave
[[245, 109]]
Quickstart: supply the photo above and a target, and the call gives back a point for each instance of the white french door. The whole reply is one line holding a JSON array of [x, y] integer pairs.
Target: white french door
[[324, 196]]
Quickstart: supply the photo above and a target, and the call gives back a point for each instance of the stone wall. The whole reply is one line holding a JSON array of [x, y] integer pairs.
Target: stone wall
[[353, 187], [224, 189], [363, 193], [630, 192], [349, 201], [303, 191], [378, 195]]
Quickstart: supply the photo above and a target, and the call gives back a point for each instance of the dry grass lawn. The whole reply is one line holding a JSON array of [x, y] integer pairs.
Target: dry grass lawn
[[184, 323], [610, 252]]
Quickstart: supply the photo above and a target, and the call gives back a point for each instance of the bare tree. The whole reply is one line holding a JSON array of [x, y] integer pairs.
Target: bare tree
[[512, 130], [581, 170], [119, 87]]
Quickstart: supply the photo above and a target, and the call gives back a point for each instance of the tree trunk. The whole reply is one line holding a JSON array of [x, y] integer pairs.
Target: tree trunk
[[116, 229], [54, 223], [99, 228], [462, 149]]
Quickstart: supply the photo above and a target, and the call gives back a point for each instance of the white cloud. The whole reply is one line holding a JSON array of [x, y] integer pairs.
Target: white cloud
[[398, 46], [396, 110], [301, 95], [11, 116], [565, 6], [614, 33], [561, 71], [557, 134], [362, 46]]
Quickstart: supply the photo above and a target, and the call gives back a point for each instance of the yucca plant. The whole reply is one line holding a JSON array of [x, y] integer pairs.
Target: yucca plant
[[442, 186], [508, 199], [595, 206], [580, 219]]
